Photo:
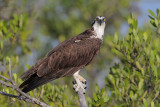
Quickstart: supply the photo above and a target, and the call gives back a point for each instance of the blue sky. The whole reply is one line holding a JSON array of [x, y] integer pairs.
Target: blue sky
[[144, 6]]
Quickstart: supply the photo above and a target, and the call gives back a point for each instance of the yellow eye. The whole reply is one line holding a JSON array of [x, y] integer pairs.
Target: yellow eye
[[104, 20]]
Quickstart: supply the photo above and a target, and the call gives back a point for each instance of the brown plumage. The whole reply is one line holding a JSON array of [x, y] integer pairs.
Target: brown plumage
[[64, 60]]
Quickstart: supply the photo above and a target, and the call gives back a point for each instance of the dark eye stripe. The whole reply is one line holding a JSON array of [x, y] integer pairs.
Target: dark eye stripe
[[100, 17]]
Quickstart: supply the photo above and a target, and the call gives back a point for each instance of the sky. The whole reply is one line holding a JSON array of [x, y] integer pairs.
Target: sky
[[144, 6]]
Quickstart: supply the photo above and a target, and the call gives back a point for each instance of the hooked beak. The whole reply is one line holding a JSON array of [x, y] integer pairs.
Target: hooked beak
[[100, 21]]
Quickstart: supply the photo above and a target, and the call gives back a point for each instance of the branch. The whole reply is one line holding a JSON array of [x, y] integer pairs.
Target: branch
[[23, 96], [82, 100], [9, 95]]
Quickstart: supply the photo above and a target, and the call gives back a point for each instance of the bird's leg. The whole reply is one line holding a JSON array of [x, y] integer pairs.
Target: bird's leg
[[79, 82], [82, 80]]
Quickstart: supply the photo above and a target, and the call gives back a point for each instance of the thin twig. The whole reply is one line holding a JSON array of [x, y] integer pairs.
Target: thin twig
[[23, 96], [4, 78], [10, 72], [9, 95], [6, 84]]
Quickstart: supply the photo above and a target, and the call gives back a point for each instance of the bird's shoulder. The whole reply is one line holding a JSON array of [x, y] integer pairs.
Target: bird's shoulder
[[60, 56], [70, 43]]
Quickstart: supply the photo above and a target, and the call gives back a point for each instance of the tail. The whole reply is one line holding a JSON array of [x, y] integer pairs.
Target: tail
[[33, 82]]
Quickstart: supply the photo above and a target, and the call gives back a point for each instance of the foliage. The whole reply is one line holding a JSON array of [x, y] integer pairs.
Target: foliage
[[100, 97], [134, 81], [60, 17], [13, 36]]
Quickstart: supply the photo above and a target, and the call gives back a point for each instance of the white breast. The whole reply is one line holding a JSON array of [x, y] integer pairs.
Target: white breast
[[99, 30]]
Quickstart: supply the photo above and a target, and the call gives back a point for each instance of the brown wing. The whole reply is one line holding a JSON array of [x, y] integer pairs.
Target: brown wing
[[64, 60]]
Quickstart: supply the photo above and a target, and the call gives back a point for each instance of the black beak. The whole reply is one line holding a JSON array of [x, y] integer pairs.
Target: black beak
[[100, 22]]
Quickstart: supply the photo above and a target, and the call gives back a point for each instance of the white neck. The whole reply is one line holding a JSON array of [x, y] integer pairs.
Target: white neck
[[99, 30]]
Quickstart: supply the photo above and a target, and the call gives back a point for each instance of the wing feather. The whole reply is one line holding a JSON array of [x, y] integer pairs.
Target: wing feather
[[64, 60]]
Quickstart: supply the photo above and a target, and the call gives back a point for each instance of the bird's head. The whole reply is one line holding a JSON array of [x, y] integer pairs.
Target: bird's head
[[99, 20], [99, 25]]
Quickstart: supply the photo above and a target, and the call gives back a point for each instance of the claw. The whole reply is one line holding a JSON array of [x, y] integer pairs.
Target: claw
[[79, 82], [74, 82], [85, 87], [84, 82]]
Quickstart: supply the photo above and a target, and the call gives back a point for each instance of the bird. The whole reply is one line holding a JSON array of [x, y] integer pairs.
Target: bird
[[67, 59]]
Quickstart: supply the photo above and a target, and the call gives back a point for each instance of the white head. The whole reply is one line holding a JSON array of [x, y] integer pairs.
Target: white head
[[99, 26]]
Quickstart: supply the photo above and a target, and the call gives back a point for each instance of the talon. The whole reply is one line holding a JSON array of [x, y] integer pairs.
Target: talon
[[85, 87], [74, 82], [85, 82], [79, 82]]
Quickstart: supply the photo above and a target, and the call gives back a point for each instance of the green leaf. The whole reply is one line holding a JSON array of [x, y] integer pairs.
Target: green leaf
[[157, 94], [28, 66], [1, 43], [21, 21], [145, 103], [4, 30], [97, 88], [135, 23], [131, 95], [7, 90], [15, 76], [149, 39], [158, 12], [156, 22], [105, 97], [103, 90], [152, 13], [145, 36], [153, 22], [138, 65], [7, 59], [154, 68], [111, 78], [140, 85], [95, 96], [117, 82], [151, 17], [115, 37], [152, 104], [1, 24], [130, 21]]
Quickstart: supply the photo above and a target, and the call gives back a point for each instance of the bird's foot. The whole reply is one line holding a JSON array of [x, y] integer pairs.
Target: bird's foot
[[79, 83]]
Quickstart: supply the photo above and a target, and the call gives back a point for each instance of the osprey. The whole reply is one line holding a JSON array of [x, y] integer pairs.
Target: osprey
[[67, 59]]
